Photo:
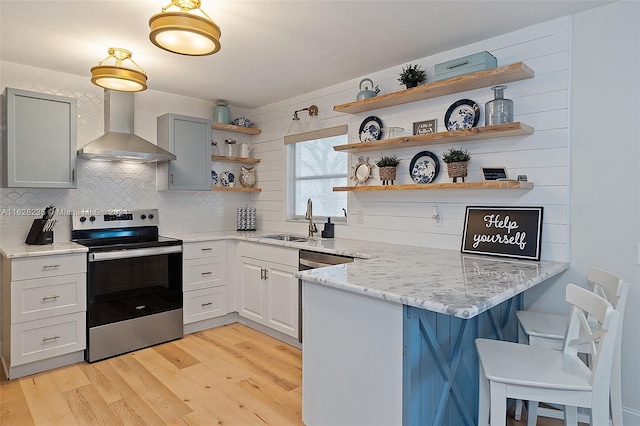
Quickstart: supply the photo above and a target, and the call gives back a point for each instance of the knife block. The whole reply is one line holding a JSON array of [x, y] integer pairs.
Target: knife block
[[37, 235]]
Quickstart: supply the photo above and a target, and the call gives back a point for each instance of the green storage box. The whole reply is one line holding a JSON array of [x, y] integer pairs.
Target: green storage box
[[465, 65]]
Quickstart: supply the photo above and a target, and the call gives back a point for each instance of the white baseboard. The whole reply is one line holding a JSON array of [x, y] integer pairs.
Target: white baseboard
[[630, 417]]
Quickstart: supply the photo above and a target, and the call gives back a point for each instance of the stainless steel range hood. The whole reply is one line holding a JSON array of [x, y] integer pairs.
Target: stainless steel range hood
[[119, 142]]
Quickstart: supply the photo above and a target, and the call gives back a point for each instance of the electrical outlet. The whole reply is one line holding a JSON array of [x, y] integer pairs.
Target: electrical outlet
[[360, 217], [220, 210], [435, 216]]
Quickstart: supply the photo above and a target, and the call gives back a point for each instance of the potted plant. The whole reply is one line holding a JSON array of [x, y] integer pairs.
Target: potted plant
[[456, 160], [387, 165], [412, 75]]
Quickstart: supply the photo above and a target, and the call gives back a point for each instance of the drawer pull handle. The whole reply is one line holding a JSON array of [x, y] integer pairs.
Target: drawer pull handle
[[207, 249], [457, 65], [207, 304], [207, 273], [46, 339], [44, 299], [50, 266]]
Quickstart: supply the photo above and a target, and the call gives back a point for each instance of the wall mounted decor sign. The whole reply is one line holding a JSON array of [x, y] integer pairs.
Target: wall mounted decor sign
[[503, 231], [425, 127]]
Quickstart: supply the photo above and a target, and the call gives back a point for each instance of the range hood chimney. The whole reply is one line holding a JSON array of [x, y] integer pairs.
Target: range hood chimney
[[119, 142]]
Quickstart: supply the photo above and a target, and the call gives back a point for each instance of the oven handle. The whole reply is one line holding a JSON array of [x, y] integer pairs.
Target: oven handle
[[126, 254]]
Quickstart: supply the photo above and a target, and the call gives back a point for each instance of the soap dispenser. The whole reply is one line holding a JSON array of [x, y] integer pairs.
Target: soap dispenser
[[327, 232]]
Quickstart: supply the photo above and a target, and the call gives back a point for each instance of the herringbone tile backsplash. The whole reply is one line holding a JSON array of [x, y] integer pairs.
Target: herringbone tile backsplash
[[101, 185]]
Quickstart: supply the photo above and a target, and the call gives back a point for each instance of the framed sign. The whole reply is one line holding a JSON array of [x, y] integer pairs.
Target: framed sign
[[503, 231], [424, 127], [494, 173]]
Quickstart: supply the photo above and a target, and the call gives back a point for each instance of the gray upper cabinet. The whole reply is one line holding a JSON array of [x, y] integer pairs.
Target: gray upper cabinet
[[189, 138], [40, 140]]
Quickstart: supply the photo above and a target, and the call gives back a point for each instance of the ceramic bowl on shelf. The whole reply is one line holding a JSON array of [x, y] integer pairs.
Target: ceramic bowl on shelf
[[242, 121]]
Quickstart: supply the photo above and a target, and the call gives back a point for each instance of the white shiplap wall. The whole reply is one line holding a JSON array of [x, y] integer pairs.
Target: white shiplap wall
[[405, 216]]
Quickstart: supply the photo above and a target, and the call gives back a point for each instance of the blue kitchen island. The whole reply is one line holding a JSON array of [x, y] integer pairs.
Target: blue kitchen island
[[390, 340]]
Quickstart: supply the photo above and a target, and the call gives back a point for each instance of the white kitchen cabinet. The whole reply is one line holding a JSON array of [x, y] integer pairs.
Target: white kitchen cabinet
[[40, 140], [204, 280], [44, 305], [268, 292], [189, 138]]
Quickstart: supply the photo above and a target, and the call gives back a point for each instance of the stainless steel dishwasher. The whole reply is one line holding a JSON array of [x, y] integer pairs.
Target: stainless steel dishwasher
[[313, 260]]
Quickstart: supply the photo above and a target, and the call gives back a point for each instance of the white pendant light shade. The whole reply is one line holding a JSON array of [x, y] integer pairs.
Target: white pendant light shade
[[117, 77], [183, 32]]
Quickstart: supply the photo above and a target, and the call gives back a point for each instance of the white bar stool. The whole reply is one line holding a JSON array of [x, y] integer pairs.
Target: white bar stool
[[513, 370], [548, 331]]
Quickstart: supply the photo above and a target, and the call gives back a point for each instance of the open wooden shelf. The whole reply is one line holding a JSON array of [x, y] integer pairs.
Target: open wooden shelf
[[243, 160], [236, 129], [235, 189], [476, 80], [502, 184], [473, 134]]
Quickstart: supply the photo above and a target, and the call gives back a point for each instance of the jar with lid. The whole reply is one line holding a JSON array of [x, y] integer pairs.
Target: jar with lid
[[230, 148], [214, 148], [221, 112]]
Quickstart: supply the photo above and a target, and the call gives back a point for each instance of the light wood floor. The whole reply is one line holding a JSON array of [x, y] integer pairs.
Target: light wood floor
[[229, 375]]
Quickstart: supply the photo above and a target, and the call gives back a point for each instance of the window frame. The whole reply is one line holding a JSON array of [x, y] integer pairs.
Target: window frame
[[291, 180]]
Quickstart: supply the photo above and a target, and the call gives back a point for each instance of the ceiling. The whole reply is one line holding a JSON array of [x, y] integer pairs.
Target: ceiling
[[271, 50]]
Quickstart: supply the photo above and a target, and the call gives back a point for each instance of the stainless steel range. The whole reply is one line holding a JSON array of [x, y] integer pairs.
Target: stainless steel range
[[134, 280]]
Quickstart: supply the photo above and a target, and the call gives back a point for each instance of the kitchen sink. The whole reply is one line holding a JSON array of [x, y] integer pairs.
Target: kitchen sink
[[286, 237]]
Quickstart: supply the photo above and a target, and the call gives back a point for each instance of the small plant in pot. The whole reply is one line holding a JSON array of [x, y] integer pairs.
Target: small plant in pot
[[456, 160], [387, 166], [412, 76]]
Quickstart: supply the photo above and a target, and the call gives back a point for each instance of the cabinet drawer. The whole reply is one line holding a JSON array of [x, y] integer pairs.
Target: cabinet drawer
[[204, 273], [26, 268], [46, 297], [204, 304], [46, 338], [269, 253], [202, 249]]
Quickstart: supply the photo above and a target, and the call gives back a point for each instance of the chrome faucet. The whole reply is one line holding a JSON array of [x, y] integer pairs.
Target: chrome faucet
[[309, 216]]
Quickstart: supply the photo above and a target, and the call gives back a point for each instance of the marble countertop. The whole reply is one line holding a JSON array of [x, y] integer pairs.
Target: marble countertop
[[444, 281], [24, 250]]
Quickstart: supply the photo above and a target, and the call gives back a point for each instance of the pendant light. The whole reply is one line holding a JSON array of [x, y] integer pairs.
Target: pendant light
[[184, 32], [117, 77]]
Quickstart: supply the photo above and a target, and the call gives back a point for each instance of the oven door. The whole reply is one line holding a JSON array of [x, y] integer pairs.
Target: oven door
[[127, 284]]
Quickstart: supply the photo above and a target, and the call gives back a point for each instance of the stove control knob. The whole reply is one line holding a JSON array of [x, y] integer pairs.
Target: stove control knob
[[83, 219], [151, 216], [143, 217], [92, 219]]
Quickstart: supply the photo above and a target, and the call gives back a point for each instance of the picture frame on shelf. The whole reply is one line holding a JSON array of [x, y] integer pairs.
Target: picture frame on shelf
[[425, 127], [494, 173]]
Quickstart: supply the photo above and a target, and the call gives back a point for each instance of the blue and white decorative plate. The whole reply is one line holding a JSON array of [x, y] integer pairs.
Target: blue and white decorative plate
[[227, 179], [371, 129], [242, 121], [214, 177], [462, 114], [424, 167]]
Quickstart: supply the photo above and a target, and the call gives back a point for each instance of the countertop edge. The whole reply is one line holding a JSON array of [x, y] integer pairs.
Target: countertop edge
[[17, 252]]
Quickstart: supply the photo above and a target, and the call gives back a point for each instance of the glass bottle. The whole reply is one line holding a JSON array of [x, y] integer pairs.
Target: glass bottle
[[230, 148], [221, 112], [499, 110]]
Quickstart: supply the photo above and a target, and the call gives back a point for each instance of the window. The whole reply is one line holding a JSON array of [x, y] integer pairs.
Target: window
[[314, 169]]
